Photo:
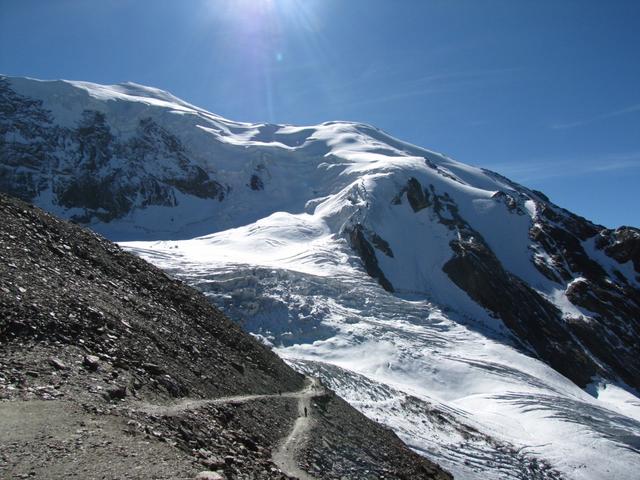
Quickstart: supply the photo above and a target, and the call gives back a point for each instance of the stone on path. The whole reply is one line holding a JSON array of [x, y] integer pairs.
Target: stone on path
[[207, 475]]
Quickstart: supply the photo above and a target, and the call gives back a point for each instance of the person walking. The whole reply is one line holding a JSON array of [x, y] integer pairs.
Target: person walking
[[305, 411]]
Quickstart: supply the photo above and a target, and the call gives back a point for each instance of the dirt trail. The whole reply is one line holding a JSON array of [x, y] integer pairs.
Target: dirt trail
[[284, 455], [192, 404], [57, 439]]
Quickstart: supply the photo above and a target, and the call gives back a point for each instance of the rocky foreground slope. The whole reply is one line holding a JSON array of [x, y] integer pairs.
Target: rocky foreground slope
[[109, 369]]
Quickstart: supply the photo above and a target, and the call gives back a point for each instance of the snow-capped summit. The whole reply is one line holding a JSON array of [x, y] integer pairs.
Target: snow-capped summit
[[413, 283]]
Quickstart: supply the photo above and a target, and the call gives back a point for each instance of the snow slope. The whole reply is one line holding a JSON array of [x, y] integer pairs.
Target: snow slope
[[494, 331], [453, 389]]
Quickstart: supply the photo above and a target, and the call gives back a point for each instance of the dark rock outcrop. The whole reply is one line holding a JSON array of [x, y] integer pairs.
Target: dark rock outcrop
[[256, 183], [381, 244], [600, 342], [367, 254], [535, 322], [417, 196], [622, 244], [610, 300]]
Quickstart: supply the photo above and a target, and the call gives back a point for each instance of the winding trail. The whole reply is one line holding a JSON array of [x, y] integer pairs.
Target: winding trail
[[284, 456]]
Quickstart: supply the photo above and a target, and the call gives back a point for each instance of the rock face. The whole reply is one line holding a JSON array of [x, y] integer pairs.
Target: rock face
[[477, 271], [365, 251], [125, 367], [87, 168], [598, 342], [622, 244]]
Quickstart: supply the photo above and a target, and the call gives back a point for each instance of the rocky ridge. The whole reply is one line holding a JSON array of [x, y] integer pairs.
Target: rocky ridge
[[598, 340]]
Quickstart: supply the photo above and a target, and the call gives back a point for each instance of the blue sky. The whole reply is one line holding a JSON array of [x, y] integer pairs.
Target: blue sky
[[546, 92]]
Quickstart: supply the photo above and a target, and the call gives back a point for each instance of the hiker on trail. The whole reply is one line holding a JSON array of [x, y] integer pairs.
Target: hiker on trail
[[279, 392], [305, 411]]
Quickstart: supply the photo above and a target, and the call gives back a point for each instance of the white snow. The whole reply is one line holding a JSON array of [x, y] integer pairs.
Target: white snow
[[413, 348]]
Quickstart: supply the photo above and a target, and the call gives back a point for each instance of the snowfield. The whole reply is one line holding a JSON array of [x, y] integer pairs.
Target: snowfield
[[452, 388], [277, 255]]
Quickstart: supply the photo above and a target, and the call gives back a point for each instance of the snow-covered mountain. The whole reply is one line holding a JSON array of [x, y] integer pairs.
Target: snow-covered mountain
[[494, 331]]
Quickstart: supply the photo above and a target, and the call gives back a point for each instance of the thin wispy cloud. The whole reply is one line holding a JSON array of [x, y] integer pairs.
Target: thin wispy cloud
[[542, 169], [438, 83], [395, 96], [616, 113], [476, 75], [393, 84]]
